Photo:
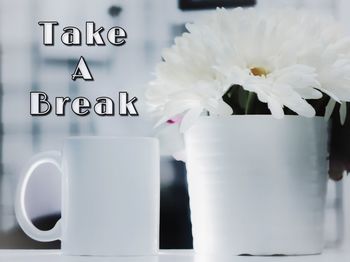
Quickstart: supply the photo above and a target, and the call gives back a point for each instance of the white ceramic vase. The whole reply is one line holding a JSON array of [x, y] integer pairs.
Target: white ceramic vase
[[257, 185]]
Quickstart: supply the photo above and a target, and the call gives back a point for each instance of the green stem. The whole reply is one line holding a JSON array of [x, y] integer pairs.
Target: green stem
[[250, 103]]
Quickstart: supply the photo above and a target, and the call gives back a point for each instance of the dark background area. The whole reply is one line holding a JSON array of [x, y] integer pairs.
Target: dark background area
[[209, 4]]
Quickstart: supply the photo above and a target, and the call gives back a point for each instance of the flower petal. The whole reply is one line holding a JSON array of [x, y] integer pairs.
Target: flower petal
[[190, 118], [275, 108], [342, 112], [329, 109]]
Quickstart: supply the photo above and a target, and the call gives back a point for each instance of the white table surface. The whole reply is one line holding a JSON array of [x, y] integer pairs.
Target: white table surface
[[164, 256]]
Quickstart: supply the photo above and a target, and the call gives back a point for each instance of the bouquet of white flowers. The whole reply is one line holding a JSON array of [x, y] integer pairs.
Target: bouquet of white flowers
[[246, 61]]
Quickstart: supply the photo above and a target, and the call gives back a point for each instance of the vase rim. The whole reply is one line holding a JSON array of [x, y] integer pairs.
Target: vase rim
[[265, 116]]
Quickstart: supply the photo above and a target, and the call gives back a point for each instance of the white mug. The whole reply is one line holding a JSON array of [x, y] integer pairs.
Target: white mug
[[110, 196]]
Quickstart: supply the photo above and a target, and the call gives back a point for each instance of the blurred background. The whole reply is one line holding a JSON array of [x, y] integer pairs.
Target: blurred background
[[26, 65]]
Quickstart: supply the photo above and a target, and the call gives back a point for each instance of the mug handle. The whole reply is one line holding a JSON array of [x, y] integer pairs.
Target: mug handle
[[49, 157]]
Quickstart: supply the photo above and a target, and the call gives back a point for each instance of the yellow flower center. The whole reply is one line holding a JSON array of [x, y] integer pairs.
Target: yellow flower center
[[258, 71]]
